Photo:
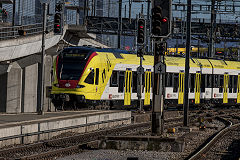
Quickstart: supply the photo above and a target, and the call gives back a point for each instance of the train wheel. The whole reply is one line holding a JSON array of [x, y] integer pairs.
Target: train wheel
[[62, 106], [58, 105], [111, 105], [106, 105], [74, 105], [91, 107]]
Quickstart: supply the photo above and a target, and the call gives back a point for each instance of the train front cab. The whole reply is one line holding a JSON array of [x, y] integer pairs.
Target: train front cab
[[89, 86]]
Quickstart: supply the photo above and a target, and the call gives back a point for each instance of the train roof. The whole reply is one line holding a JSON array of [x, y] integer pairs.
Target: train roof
[[169, 60], [113, 50], [205, 63]]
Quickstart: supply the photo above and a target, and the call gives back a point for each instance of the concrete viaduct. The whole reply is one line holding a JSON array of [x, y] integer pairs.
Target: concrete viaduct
[[20, 62]]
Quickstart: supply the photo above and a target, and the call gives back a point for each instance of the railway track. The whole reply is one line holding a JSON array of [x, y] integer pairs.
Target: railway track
[[208, 149], [66, 145]]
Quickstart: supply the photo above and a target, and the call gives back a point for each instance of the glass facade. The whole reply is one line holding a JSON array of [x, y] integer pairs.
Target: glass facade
[[107, 8], [27, 11]]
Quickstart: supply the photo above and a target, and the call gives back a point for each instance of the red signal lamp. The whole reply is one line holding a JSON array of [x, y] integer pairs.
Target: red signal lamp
[[164, 20], [141, 27]]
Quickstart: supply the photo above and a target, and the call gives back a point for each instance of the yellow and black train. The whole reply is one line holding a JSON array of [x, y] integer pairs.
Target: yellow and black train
[[86, 75]]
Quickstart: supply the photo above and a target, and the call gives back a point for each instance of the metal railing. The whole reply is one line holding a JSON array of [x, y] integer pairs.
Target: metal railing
[[32, 29]]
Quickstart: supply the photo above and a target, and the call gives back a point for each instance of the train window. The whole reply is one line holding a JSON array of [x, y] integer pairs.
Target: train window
[[143, 82], [97, 76], [216, 81], [134, 83], [169, 80], [114, 79], [175, 82], [230, 86], [203, 82], [192, 83], [221, 80], [121, 82], [103, 75], [209, 81], [235, 78], [90, 78], [70, 69]]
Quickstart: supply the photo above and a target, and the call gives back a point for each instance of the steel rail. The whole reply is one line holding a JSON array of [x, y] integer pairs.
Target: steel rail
[[80, 140], [203, 149]]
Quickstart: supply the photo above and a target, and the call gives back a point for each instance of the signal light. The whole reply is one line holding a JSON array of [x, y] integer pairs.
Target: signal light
[[156, 20], [161, 18], [164, 20], [141, 31], [58, 23]]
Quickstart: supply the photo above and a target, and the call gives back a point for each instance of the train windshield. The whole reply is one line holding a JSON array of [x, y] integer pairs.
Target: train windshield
[[71, 63]]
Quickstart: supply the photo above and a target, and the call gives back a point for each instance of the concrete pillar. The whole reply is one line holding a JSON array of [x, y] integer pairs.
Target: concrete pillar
[[14, 89], [48, 106], [29, 98]]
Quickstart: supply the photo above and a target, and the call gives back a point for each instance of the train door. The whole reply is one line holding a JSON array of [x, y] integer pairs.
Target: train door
[[128, 86], [197, 87], [181, 88], [238, 89], [147, 87], [97, 86], [225, 88]]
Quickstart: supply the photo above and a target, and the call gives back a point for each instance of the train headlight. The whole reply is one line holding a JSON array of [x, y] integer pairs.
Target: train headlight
[[82, 97], [80, 86], [56, 85]]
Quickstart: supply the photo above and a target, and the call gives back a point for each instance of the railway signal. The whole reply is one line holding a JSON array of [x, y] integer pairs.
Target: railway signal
[[58, 18], [141, 31], [58, 23], [161, 18], [156, 20], [160, 29]]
